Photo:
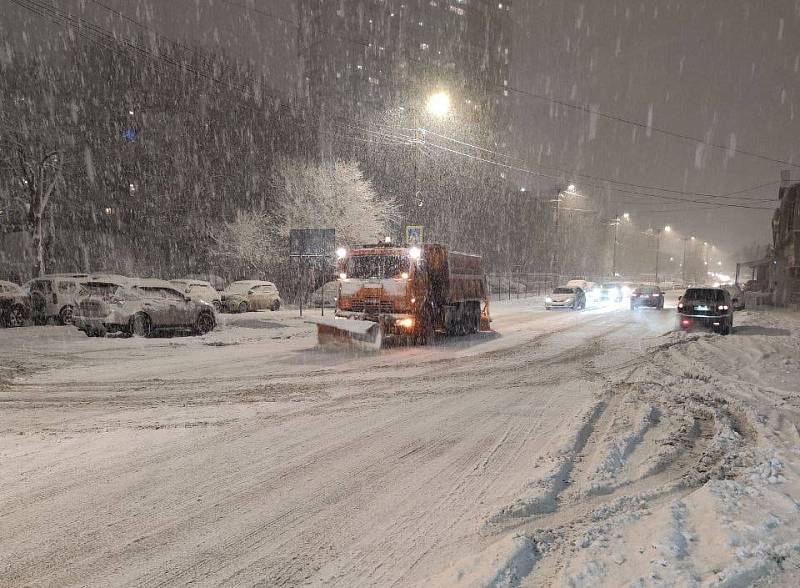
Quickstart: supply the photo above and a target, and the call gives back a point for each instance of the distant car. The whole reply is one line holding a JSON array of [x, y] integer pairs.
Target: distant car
[[249, 295], [610, 292], [737, 296], [54, 297], [650, 296], [15, 306], [326, 293], [200, 290], [566, 297], [136, 306], [706, 307]]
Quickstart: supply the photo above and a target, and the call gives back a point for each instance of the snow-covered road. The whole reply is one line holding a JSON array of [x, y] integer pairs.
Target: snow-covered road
[[591, 448]]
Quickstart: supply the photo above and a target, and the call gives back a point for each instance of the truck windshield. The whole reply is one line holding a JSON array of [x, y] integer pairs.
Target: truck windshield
[[376, 266]]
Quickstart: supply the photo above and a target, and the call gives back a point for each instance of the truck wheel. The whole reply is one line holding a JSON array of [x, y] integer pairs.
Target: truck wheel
[[65, 316], [140, 325], [426, 332]]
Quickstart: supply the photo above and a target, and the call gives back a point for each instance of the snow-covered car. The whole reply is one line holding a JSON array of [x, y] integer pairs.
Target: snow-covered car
[[566, 297], [249, 295], [650, 296], [610, 292], [707, 308], [199, 290], [15, 306], [326, 294], [135, 306], [54, 296], [737, 296]]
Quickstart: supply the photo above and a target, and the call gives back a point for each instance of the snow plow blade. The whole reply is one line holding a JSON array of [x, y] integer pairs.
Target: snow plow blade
[[331, 332]]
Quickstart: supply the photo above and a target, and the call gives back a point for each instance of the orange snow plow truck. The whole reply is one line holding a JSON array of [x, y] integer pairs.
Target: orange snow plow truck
[[406, 294]]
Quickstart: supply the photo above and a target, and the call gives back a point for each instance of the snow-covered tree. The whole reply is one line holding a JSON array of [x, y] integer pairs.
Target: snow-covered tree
[[305, 195]]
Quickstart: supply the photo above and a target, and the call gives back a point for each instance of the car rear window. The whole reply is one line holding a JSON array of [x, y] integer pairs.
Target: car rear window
[[564, 291], [704, 295], [647, 290]]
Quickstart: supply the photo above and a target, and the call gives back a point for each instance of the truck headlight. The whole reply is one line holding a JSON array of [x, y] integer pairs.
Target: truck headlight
[[405, 323]]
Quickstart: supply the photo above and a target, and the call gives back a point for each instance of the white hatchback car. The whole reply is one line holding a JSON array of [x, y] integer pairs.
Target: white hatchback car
[[199, 290], [249, 295]]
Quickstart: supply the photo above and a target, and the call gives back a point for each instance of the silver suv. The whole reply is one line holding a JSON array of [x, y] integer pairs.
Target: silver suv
[[135, 306], [53, 296]]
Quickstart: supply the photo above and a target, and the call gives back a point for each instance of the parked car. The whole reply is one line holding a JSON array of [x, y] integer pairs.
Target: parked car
[[15, 305], [249, 295], [706, 307], [566, 297], [135, 306], [326, 293], [737, 296], [200, 290], [650, 296], [54, 297]]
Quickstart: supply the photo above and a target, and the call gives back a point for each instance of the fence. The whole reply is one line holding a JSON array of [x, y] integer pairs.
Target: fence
[[515, 285]]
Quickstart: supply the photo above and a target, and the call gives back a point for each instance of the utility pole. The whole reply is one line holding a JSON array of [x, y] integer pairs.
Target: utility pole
[[683, 266], [614, 256], [658, 250], [554, 260]]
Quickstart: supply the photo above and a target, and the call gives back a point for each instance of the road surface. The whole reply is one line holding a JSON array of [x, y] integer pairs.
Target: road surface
[[549, 451]]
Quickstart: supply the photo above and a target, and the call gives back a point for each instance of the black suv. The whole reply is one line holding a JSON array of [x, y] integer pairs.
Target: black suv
[[706, 307], [15, 306], [651, 296]]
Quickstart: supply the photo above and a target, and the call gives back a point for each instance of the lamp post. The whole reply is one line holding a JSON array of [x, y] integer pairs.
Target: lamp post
[[666, 229], [683, 265], [437, 105], [616, 222]]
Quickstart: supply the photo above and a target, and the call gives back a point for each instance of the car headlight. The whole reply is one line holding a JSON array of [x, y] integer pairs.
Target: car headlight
[[548, 300], [569, 301]]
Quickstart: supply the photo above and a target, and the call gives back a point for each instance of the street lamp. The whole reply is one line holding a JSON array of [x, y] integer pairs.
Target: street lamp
[[666, 229], [616, 222], [439, 104]]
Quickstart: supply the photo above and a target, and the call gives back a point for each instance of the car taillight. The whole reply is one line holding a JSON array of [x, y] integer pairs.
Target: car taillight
[[654, 295], [680, 305]]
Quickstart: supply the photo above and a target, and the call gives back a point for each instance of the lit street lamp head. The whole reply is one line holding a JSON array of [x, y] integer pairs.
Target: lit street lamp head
[[667, 229], [439, 104]]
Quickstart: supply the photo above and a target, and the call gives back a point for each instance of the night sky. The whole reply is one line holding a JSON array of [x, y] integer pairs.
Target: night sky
[[726, 71]]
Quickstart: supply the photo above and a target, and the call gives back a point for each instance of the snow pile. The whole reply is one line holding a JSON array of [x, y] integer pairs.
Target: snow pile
[[502, 565]]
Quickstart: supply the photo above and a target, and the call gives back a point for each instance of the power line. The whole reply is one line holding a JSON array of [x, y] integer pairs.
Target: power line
[[647, 127]]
